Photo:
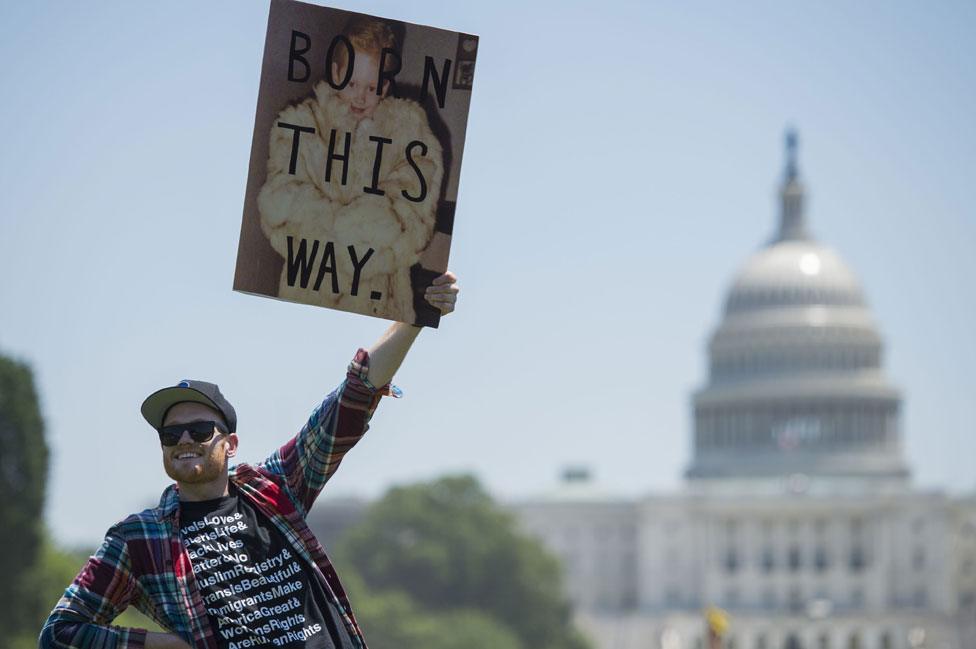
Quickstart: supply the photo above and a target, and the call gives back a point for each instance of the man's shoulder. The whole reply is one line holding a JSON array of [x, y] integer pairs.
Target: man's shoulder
[[251, 474], [137, 530], [141, 523], [150, 522]]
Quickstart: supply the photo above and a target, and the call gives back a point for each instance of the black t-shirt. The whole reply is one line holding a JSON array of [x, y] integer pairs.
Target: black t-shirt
[[255, 587]]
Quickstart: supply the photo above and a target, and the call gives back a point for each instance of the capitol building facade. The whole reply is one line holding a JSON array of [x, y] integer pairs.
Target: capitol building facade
[[798, 516]]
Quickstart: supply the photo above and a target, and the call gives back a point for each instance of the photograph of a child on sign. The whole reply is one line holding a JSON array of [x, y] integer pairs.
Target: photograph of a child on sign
[[361, 192]]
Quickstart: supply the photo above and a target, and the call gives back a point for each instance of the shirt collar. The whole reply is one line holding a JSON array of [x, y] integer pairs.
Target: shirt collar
[[169, 502]]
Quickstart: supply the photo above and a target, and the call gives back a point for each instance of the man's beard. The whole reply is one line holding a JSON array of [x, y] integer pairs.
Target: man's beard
[[207, 468]]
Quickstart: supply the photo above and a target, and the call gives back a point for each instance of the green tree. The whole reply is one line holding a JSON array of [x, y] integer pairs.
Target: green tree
[[449, 548], [393, 619], [23, 476], [36, 571], [48, 577]]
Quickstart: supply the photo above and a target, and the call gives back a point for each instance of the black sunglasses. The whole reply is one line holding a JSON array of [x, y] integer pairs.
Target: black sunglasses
[[200, 432]]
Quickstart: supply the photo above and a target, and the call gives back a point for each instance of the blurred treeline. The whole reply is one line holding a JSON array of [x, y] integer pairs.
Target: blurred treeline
[[433, 565], [28, 562], [440, 566]]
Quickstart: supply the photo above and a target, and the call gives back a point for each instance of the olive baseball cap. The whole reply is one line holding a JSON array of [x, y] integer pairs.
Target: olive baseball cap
[[156, 405]]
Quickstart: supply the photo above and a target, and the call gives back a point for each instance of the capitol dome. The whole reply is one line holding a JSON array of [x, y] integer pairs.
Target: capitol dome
[[795, 367], [791, 273]]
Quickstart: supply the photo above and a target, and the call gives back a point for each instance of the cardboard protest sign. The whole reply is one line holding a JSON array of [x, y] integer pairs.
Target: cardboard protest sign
[[353, 179]]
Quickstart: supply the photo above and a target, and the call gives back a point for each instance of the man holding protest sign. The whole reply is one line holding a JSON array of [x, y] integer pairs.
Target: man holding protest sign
[[226, 560], [349, 205]]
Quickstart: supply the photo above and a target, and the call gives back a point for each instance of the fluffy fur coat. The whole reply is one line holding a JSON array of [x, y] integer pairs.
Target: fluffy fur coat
[[304, 206]]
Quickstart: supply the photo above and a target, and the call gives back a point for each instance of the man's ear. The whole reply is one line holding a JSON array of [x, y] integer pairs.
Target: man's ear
[[231, 443]]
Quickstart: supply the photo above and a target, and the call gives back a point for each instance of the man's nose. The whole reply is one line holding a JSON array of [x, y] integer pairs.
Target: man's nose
[[185, 438]]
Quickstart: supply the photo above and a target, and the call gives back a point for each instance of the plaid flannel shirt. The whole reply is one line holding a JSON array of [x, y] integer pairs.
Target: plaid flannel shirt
[[142, 562]]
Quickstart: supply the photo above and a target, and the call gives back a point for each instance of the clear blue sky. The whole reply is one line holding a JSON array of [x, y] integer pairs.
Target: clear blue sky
[[621, 162]]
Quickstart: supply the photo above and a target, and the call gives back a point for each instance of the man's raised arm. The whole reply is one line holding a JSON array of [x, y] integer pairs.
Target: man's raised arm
[[389, 351], [308, 460]]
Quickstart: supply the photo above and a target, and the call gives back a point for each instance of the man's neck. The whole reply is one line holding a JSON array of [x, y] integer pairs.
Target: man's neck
[[205, 491]]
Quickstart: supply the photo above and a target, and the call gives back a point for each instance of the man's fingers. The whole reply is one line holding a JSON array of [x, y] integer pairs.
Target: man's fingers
[[442, 293], [442, 290], [447, 278], [445, 302]]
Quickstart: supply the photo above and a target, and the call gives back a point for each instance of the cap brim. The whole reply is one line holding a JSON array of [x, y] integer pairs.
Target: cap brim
[[156, 404]]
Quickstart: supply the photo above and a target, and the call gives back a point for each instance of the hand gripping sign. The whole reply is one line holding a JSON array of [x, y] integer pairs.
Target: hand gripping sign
[[357, 146]]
